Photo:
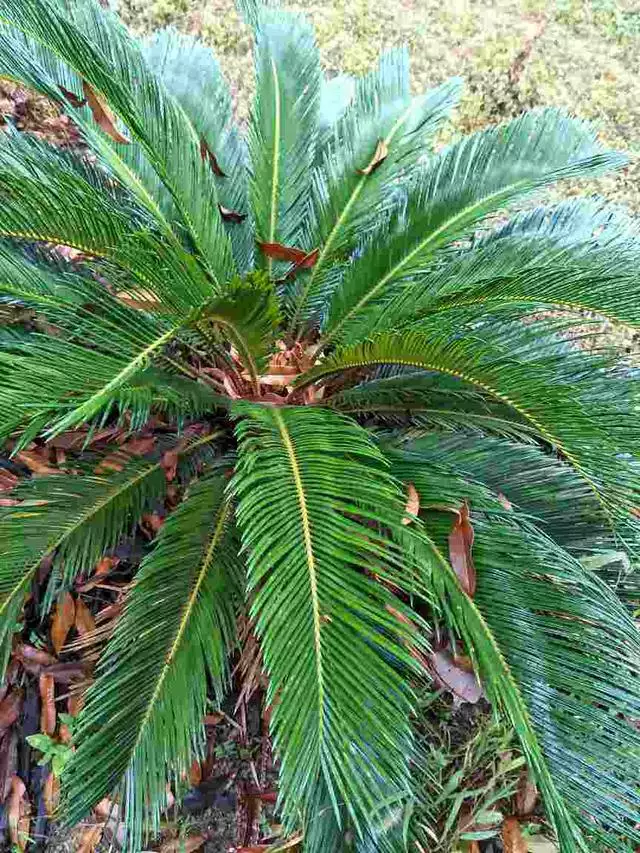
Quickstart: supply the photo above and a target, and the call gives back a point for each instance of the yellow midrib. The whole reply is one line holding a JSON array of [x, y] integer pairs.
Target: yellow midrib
[[310, 559], [275, 177]]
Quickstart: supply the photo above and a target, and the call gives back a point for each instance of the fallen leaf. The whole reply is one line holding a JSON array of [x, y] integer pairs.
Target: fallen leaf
[[456, 676], [36, 462], [184, 845], [512, 837], [85, 623], [170, 464], [212, 719], [65, 673], [231, 215], [62, 622], [51, 793], [526, 794], [10, 708], [48, 704], [460, 546], [195, 774], [8, 480], [33, 659], [8, 763], [413, 504], [103, 115], [151, 523], [105, 565], [75, 100], [379, 156], [90, 838], [207, 154], [278, 252], [18, 814]]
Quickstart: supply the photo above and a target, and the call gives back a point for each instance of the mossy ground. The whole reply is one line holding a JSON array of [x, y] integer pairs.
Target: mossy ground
[[513, 54]]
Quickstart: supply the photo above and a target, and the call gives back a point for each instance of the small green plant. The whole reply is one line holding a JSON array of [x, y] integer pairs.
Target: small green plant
[[54, 753], [356, 359]]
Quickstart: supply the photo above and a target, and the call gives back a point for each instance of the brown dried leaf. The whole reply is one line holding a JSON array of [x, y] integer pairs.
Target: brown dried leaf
[[207, 154], [37, 462], [170, 464], [48, 704], [103, 115], [379, 156], [90, 838], [75, 100], [184, 845], [195, 774], [10, 708], [8, 763], [460, 546], [85, 623], [8, 480], [526, 794], [51, 793], [512, 838], [231, 215], [278, 252], [456, 676], [65, 673], [413, 504], [62, 622], [18, 814]]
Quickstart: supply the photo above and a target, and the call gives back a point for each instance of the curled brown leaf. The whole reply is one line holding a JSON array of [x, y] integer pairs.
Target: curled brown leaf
[[62, 622], [10, 708], [231, 215], [412, 507], [460, 547], [207, 154], [379, 156], [47, 704], [513, 840], [456, 675], [103, 115]]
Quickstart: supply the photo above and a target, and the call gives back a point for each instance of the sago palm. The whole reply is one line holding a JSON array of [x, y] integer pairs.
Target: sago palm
[[348, 346]]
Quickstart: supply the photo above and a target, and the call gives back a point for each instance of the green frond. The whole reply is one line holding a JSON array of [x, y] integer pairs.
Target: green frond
[[348, 205], [579, 256], [312, 489], [336, 94], [141, 726], [559, 656], [576, 403], [192, 75], [99, 50], [457, 189], [283, 127]]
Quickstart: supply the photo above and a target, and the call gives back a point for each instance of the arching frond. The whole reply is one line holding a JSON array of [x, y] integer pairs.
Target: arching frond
[[559, 656], [283, 127], [97, 47], [141, 726], [311, 489], [458, 188]]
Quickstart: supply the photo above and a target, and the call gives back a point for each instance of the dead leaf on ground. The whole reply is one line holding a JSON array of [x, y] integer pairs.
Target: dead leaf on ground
[[512, 837], [460, 547], [231, 215], [379, 156], [412, 507], [37, 462], [8, 481], [51, 793], [170, 464], [18, 814], [8, 763], [85, 623], [90, 838], [195, 773], [10, 708], [75, 100], [48, 704], [207, 154], [62, 622], [103, 115], [526, 794], [456, 675], [184, 845]]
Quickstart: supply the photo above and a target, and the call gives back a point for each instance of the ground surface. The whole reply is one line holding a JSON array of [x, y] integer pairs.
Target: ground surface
[[513, 54]]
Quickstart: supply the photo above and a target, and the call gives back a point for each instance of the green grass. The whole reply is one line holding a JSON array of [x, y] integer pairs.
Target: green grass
[[585, 58]]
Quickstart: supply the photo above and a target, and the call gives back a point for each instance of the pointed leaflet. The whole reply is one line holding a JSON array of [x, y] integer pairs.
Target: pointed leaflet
[[283, 126], [141, 725], [96, 46], [348, 204], [73, 518], [311, 489], [456, 189]]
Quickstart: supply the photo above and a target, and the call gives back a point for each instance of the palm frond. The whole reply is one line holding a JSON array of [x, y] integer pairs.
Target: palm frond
[[283, 126], [457, 189], [74, 519], [349, 202], [311, 490], [141, 726], [559, 656], [576, 402], [98, 48], [192, 75]]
